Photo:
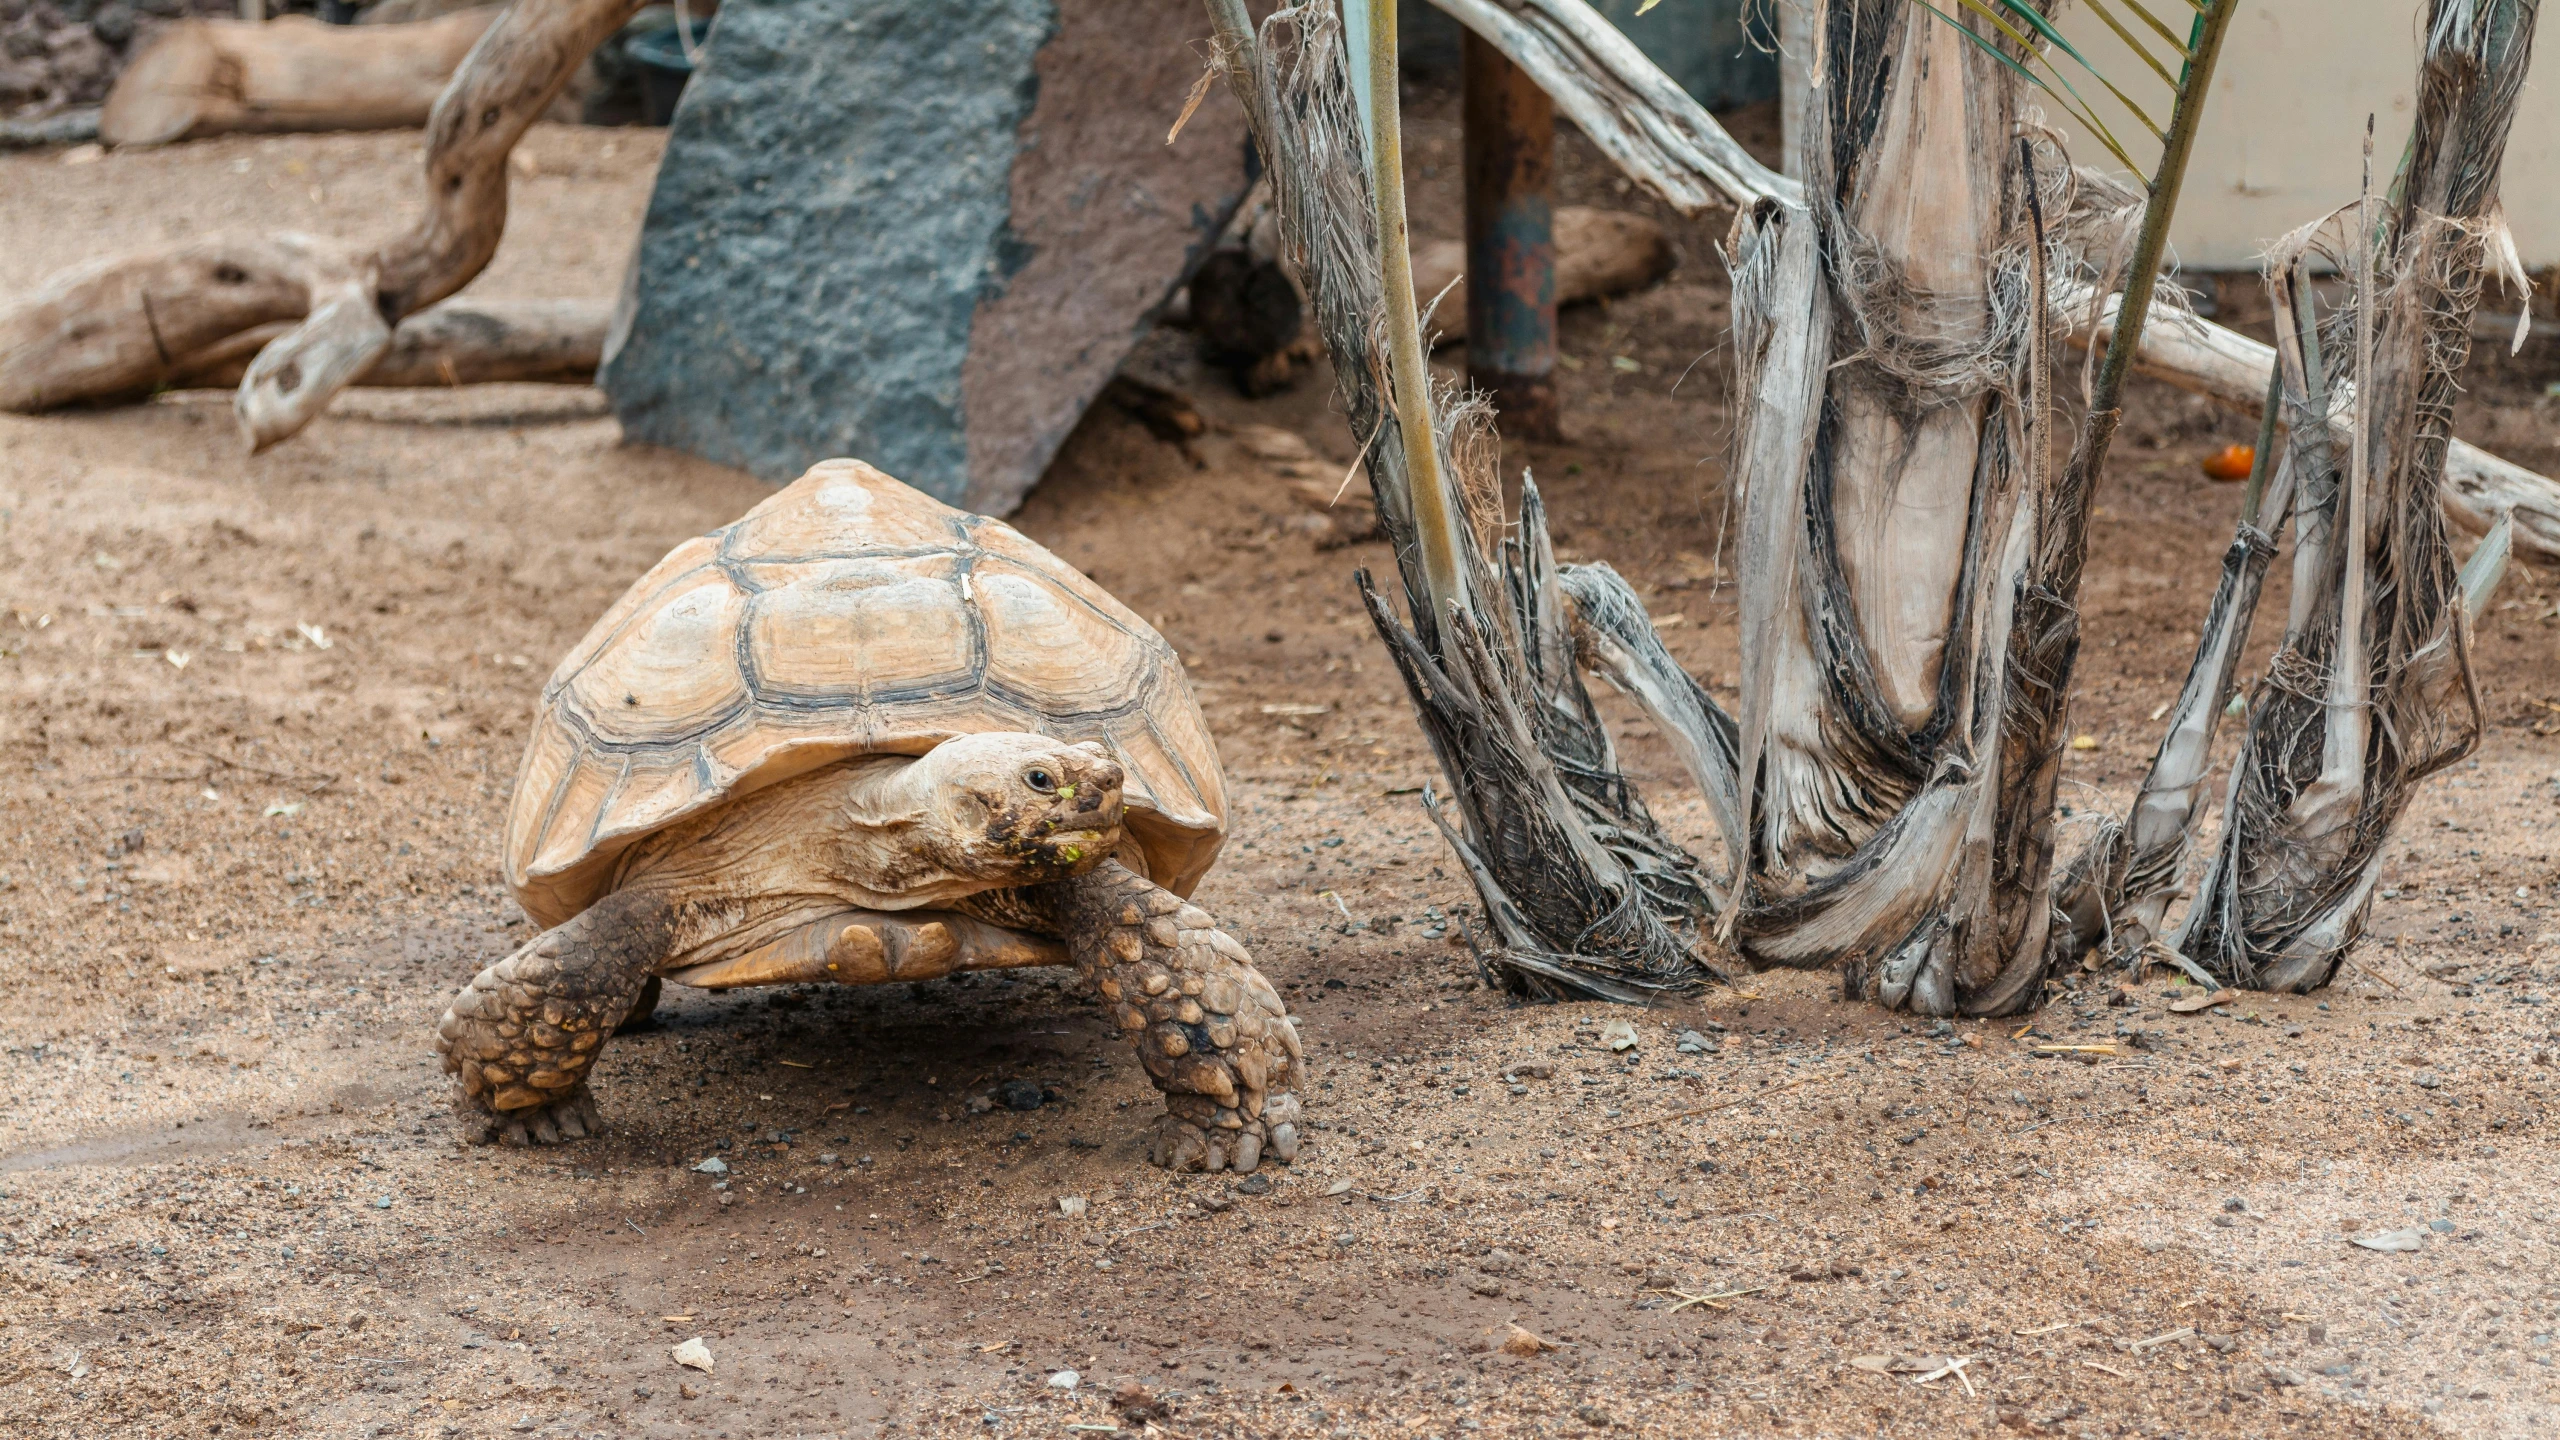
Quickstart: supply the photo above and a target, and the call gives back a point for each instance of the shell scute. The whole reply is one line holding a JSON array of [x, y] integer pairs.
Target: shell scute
[[672, 671], [861, 632]]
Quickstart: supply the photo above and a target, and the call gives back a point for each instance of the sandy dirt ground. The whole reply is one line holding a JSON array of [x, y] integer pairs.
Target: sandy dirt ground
[[261, 716]]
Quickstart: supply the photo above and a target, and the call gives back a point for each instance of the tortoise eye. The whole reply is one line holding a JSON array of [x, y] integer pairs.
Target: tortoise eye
[[1040, 780]]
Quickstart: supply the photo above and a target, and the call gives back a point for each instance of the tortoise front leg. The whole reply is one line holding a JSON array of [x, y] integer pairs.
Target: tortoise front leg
[[1210, 1030], [521, 1036]]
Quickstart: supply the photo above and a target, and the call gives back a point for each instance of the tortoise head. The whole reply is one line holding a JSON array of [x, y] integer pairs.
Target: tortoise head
[[1018, 809]]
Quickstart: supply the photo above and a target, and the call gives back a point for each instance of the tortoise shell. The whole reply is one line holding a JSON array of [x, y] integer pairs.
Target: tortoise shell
[[847, 615]]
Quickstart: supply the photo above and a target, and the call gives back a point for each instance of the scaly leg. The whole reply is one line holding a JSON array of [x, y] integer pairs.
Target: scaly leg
[[521, 1036], [1210, 1030]]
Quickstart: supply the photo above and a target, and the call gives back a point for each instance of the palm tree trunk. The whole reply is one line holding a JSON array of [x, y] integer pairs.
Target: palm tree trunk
[[2371, 690]]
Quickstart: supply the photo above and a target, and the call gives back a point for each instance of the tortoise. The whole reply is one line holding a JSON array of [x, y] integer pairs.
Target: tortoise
[[857, 737]]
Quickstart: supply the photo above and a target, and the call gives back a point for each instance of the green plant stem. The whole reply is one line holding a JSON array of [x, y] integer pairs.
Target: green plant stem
[[1435, 520], [2185, 121], [2259, 463]]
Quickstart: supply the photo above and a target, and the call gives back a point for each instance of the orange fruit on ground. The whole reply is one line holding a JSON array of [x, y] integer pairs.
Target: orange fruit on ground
[[2231, 462]]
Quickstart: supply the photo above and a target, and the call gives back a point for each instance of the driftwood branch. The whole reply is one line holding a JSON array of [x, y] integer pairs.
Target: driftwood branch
[[124, 328], [216, 77], [519, 67], [460, 342], [1665, 141]]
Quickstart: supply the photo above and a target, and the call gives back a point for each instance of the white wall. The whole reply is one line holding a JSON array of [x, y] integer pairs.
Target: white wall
[[2284, 128]]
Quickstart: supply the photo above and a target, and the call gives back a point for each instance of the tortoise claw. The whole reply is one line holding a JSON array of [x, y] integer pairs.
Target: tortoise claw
[[1186, 1147], [570, 1116]]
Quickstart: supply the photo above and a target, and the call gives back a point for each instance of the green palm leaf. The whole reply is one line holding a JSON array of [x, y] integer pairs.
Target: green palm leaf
[[2040, 50], [2107, 18], [2068, 96]]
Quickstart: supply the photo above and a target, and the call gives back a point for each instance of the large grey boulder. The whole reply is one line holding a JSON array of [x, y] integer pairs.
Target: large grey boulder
[[920, 234]]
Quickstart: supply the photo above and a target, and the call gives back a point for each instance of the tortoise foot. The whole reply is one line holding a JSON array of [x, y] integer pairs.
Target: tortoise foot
[[1228, 1142], [521, 1037], [571, 1115], [1213, 1035]]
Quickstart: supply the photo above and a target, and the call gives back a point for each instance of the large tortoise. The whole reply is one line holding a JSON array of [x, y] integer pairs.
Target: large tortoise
[[859, 736]]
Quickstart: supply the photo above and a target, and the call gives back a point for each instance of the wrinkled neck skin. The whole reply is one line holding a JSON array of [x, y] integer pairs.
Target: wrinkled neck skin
[[875, 833]]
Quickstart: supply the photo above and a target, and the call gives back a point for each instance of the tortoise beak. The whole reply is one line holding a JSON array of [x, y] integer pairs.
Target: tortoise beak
[[1090, 799]]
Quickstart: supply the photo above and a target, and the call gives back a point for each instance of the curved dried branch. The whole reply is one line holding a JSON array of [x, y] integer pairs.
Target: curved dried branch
[[510, 77], [2206, 359], [1622, 100]]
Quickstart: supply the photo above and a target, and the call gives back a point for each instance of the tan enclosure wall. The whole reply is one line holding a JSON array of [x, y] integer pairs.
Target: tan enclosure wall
[[2284, 131], [2283, 137]]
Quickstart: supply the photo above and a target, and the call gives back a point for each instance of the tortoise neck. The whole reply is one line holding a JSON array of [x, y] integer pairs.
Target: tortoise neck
[[861, 831]]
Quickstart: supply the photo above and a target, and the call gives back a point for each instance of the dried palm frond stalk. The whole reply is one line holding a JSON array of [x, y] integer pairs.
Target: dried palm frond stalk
[[2371, 689], [2118, 888], [1910, 554], [1582, 891]]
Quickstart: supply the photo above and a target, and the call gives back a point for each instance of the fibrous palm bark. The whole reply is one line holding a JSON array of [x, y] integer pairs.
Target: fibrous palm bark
[[1893, 476], [1911, 541], [2371, 689]]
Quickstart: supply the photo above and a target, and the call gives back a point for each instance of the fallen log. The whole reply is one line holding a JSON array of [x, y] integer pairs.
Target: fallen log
[[199, 315], [215, 77], [459, 342], [121, 329]]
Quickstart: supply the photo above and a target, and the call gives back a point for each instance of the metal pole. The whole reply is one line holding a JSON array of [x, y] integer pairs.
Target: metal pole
[[1511, 251]]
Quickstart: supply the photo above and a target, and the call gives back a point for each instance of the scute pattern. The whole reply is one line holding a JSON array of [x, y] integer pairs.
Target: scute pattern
[[845, 615]]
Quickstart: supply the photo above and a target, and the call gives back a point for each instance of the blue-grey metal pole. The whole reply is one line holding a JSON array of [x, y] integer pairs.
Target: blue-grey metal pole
[[1511, 252]]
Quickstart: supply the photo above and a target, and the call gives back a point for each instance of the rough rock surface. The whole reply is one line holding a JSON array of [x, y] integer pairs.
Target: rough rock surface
[[923, 236]]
